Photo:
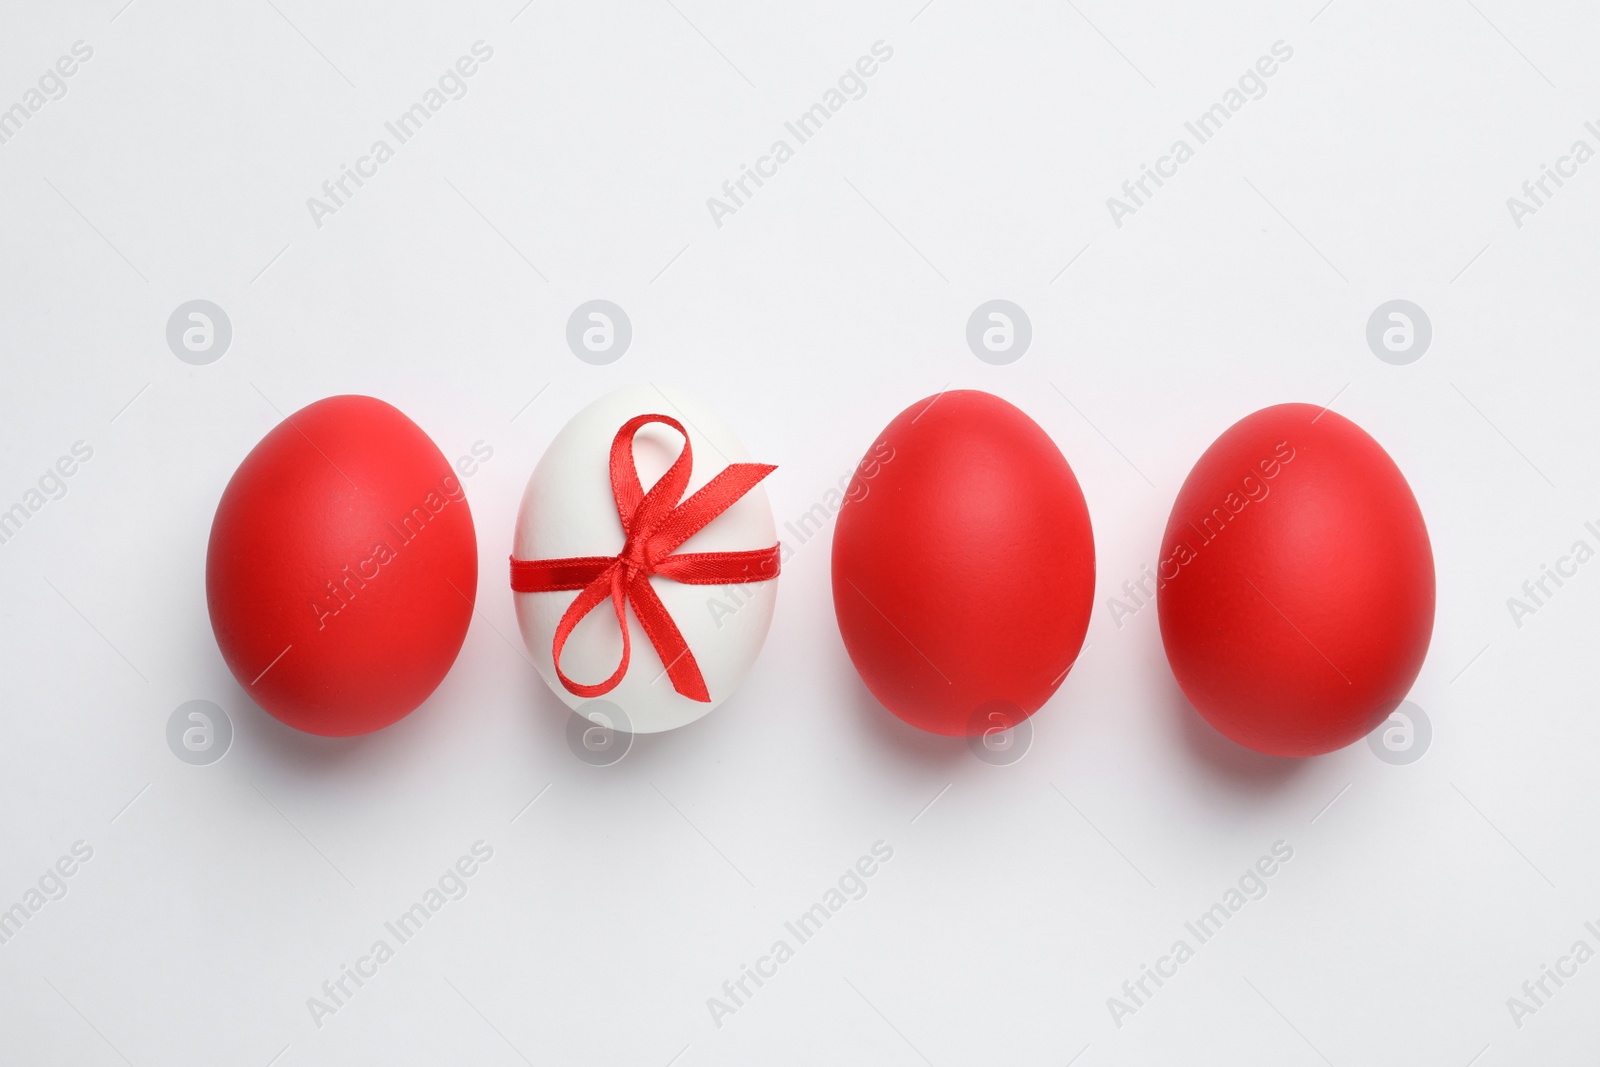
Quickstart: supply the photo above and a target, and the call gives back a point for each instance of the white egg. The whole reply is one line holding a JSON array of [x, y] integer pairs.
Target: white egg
[[569, 510]]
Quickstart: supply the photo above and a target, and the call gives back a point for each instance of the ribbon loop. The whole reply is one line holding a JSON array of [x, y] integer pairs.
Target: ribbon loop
[[654, 524]]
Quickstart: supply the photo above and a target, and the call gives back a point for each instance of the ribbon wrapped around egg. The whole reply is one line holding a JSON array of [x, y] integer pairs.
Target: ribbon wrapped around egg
[[588, 525]]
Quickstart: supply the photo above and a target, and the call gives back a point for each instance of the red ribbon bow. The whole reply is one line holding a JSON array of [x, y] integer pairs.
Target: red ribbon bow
[[654, 525]]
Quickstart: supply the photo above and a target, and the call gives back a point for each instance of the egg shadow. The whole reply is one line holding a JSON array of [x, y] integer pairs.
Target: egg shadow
[[281, 744], [1221, 758], [304, 753], [887, 731]]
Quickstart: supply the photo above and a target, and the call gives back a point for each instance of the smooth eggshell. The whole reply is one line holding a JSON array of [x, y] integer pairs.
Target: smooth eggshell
[[568, 509], [963, 565], [342, 568], [1296, 583]]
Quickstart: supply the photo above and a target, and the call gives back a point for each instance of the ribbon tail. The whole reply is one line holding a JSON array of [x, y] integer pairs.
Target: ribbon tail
[[668, 641]]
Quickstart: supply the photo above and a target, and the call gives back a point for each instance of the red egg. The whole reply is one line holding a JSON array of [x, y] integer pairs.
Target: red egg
[[342, 568], [1295, 585], [963, 565]]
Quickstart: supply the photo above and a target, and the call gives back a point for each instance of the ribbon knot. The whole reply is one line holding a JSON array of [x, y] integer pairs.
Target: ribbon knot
[[654, 524]]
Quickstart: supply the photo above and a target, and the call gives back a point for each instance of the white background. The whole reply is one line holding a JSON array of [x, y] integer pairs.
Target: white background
[[977, 166]]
